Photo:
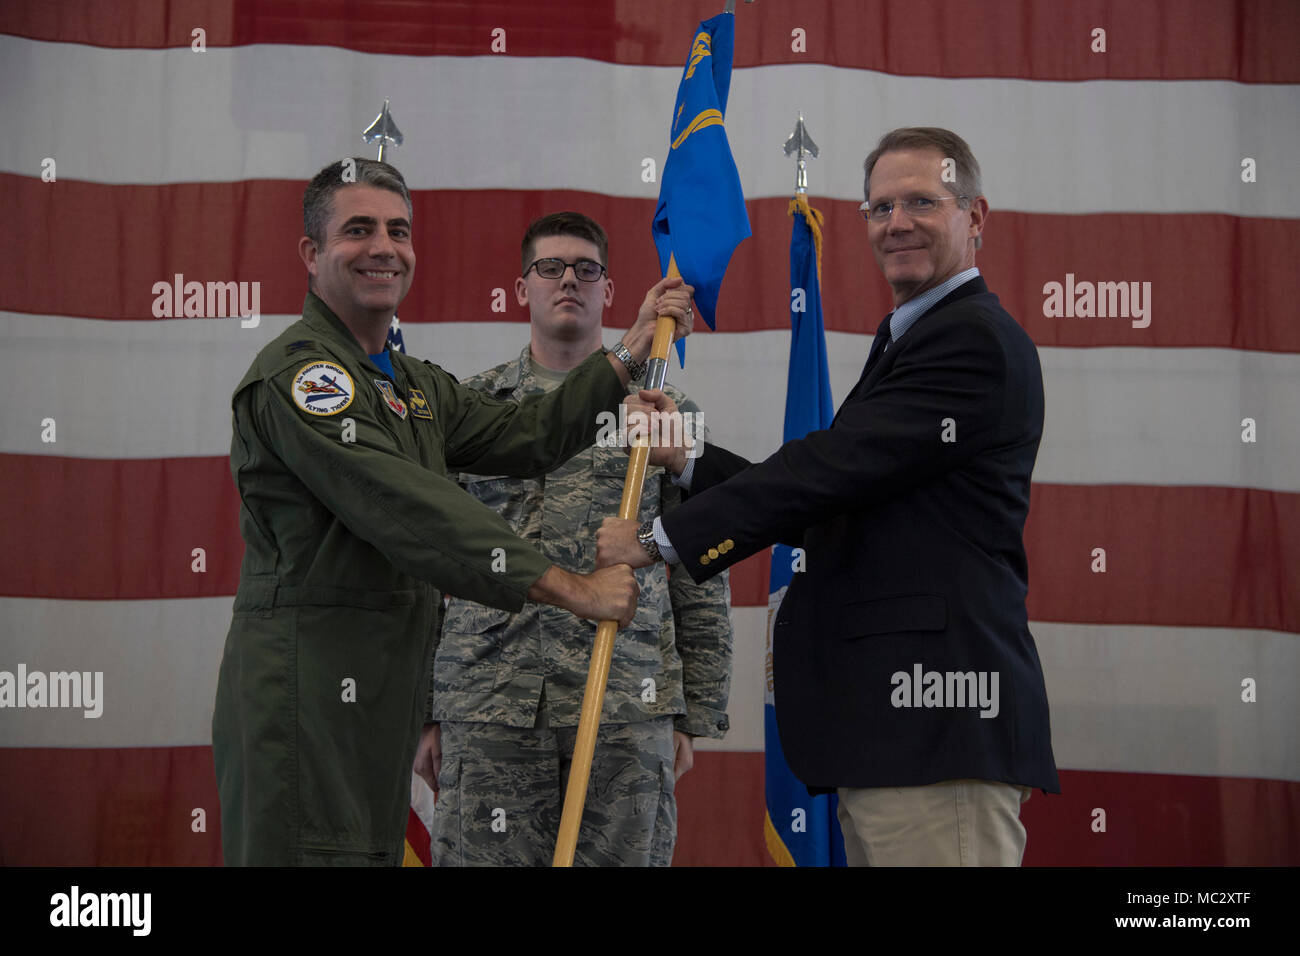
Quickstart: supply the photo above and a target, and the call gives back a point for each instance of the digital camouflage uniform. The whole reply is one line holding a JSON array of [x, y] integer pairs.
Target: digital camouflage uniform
[[326, 673], [508, 687]]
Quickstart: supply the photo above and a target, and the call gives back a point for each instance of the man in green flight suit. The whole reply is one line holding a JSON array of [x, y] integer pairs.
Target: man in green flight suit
[[340, 453], [508, 688]]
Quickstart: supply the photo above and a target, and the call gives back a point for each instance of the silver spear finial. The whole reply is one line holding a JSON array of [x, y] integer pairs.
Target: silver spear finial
[[803, 144], [383, 131]]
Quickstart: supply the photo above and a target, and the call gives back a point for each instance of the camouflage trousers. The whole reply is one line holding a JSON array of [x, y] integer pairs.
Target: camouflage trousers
[[501, 793]]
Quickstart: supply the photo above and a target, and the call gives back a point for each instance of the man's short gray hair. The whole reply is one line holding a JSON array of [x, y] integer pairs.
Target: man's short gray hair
[[317, 200]]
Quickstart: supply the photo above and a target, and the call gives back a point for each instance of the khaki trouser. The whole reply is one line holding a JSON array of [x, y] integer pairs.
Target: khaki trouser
[[951, 823]]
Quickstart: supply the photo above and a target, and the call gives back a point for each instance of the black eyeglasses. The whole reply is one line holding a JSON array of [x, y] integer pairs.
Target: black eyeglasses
[[918, 207], [587, 270]]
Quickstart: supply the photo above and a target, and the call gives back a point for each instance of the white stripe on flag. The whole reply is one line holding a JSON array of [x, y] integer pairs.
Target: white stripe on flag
[[282, 112], [1114, 415]]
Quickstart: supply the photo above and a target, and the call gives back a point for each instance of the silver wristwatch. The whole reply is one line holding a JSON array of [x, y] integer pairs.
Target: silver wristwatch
[[634, 368], [646, 535]]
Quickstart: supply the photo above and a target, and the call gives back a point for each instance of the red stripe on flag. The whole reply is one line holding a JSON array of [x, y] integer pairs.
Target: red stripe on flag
[[140, 812], [93, 529], [129, 806], [1250, 41], [1166, 548], [115, 529], [186, 229], [1200, 557], [1151, 819], [417, 835]]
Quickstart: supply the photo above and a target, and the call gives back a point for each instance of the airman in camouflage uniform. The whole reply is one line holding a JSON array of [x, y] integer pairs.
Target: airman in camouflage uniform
[[508, 687]]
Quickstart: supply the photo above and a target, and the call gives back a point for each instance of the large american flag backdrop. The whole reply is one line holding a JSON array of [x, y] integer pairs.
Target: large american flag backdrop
[[1150, 142]]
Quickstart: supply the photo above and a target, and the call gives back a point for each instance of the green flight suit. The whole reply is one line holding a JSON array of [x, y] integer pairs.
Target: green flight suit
[[351, 527]]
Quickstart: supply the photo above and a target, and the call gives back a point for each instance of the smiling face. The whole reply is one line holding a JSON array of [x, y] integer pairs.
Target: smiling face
[[366, 262], [921, 253], [565, 310]]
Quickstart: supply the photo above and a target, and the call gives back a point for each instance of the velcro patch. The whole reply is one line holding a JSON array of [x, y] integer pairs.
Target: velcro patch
[[322, 388], [395, 404], [420, 405]]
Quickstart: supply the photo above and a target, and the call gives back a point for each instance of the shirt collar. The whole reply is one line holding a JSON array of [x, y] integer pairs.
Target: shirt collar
[[513, 373], [319, 316], [905, 315]]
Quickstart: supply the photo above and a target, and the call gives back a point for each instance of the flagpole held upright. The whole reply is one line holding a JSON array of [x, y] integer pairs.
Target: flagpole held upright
[[602, 651], [697, 224]]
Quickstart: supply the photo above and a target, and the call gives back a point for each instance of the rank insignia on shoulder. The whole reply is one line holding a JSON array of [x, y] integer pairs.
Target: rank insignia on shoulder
[[322, 388], [298, 346], [420, 405], [395, 404]]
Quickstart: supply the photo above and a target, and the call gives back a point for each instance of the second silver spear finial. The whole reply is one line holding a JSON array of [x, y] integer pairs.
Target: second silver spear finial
[[802, 143], [383, 131]]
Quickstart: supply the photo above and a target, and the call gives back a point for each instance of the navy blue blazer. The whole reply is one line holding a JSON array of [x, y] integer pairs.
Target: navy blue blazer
[[902, 648]]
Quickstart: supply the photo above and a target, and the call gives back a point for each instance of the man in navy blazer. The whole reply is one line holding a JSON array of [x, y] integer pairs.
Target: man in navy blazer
[[906, 678]]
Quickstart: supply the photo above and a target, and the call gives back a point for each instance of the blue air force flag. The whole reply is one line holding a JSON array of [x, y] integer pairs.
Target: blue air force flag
[[701, 214], [799, 830]]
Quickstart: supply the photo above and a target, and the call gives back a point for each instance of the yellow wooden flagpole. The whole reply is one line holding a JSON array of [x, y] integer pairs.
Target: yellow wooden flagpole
[[575, 795]]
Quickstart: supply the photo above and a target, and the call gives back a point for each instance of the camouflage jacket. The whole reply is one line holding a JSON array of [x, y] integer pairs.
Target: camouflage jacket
[[674, 658]]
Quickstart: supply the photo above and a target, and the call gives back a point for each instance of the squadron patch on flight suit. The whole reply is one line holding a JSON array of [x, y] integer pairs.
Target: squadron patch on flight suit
[[420, 405], [395, 404], [322, 388]]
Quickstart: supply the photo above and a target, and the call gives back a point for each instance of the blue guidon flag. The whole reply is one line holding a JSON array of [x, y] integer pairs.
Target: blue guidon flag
[[800, 830], [701, 214]]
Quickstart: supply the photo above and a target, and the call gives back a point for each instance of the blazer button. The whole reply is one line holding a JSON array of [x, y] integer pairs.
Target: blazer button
[[704, 559], [728, 545], [713, 552]]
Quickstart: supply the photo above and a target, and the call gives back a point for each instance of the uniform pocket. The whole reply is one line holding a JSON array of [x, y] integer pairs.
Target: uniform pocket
[[445, 840], [466, 617], [893, 615], [665, 835], [470, 650], [506, 496], [608, 474], [361, 598]]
